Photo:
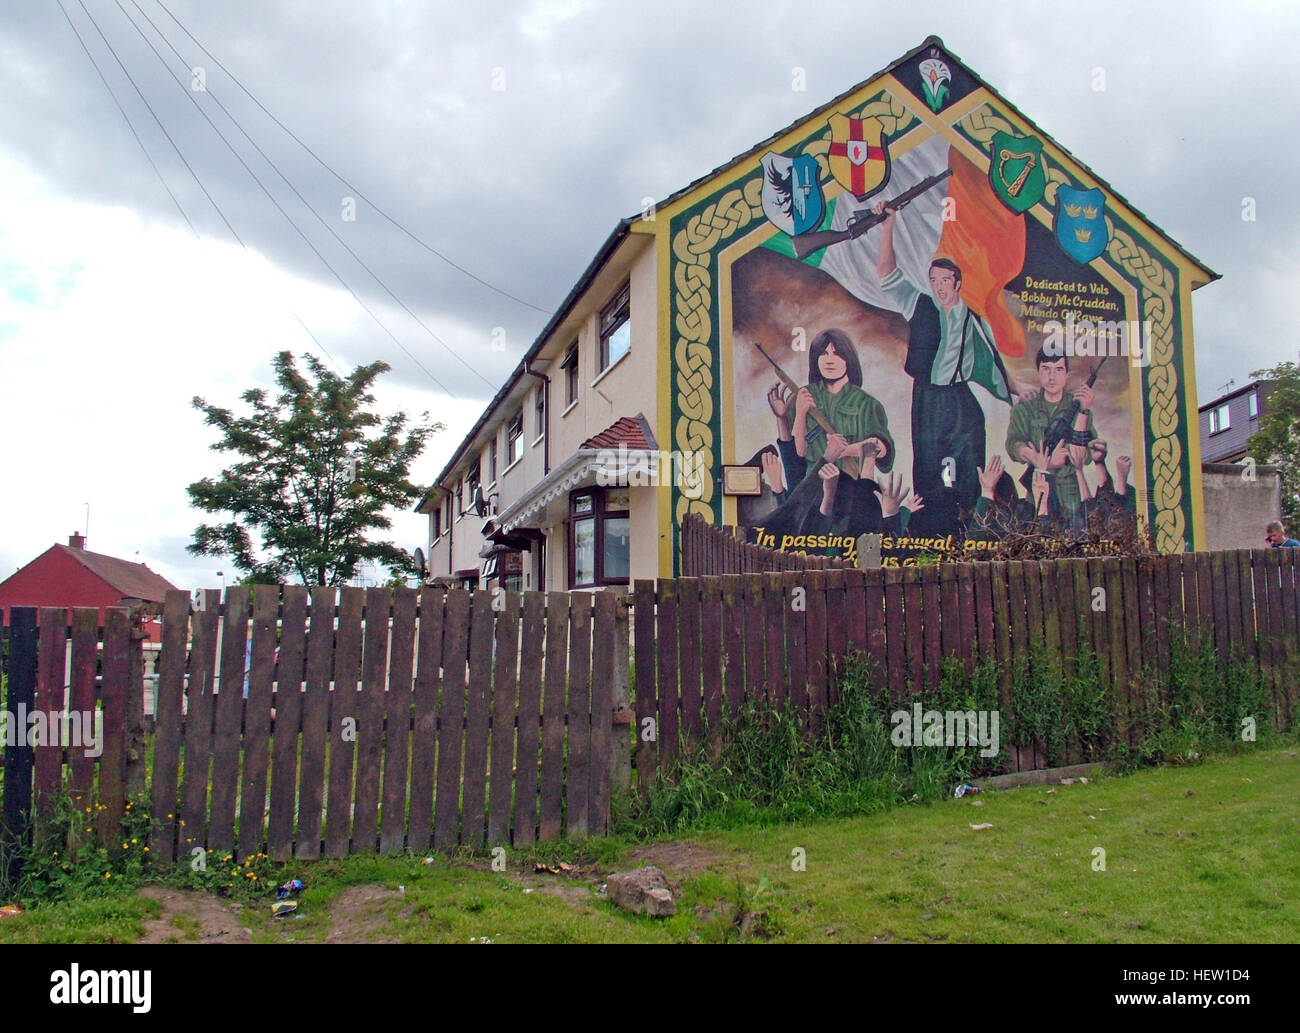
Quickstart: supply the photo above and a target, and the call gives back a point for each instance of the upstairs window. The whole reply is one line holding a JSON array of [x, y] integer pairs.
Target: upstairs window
[[615, 330], [471, 487], [1254, 404], [1219, 420], [570, 367], [539, 411], [515, 439], [492, 460], [437, 522]]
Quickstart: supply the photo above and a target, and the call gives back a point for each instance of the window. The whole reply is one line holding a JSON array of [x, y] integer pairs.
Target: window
[[437, 522], [1254, 404], [599, 538], [570, 367], [515, 439], [471, 487], [615, 330], [492, 460], [1219, 420], [539, 410]]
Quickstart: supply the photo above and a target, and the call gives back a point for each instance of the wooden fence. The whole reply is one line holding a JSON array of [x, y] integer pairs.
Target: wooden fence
[[708, 549], [389, 720], [708, 645], [100, 678]]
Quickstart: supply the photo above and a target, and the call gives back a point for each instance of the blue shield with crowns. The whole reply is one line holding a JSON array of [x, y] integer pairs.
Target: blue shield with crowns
[[1081, 222]]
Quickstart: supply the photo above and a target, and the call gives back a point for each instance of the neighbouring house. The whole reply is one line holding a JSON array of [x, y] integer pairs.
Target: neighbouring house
[[1229, 422], [647, 397], [69, 575], [1241, 496]]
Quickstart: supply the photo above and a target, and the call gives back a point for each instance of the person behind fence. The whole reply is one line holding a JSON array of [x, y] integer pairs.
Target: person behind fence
[[1275, 537]]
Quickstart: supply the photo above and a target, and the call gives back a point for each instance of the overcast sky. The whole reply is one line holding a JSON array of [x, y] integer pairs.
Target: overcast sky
[[509, 137]]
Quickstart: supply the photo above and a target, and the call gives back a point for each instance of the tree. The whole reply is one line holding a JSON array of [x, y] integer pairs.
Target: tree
[[294, 485], [1277, 441]]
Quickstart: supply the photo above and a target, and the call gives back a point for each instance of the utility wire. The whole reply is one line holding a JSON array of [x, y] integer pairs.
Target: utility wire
[[127, 118], [339, 176], [265, 157], [281, 210], [194, 174]]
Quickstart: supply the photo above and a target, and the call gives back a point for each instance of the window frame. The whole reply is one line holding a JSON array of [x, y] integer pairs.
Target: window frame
[[599, 515], [539, 414], [570, 366], [1253, 405], [616, 314], [493, 469], [515, 433], [1217, 425]]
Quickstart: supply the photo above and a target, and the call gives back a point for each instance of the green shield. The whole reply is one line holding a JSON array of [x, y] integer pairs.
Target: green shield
[[1016, 170]]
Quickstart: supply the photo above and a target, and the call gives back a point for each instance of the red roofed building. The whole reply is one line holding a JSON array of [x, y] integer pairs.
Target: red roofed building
[[68, 575]]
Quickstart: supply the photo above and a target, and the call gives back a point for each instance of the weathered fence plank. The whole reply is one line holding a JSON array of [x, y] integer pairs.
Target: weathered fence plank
[[532, 654], [343, 722], [577, 793], [451, 719], [315, 723], [553, 711], [289, 671], [473, 821]]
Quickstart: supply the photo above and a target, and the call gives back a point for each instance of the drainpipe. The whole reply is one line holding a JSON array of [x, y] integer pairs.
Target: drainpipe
[[546, 402]]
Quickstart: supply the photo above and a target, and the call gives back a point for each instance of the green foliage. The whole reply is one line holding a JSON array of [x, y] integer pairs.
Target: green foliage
[[65, 858], [1277, 439], [765, 768], [290, 484]]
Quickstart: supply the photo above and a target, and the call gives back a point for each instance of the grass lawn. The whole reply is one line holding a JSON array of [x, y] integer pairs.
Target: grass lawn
[[1205, 853]]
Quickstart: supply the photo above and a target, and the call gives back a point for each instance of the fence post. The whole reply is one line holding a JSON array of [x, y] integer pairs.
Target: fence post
[[19, 759], [133, 756], [621, 760]]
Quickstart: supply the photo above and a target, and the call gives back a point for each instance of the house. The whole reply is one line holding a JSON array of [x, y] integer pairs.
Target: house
[[1229, 422], [69, 575], [665, 382]]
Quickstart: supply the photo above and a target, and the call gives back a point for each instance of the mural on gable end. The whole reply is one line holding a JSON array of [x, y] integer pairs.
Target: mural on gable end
[[922, 344]]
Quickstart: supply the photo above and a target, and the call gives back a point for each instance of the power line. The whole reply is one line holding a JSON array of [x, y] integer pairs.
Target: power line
[[127, 119], [154, 166], [297, 194], [339, 176], [259, 183]]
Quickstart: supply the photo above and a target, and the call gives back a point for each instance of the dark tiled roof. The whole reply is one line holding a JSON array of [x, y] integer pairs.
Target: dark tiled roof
[[630, 431], [133, 580]]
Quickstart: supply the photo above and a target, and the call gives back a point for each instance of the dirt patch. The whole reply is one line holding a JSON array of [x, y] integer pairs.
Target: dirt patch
[[679, 861], [360, 915], [192, 917]]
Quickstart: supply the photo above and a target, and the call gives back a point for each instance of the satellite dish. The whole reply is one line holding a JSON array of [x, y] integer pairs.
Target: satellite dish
[[479, 504], [420, 565]]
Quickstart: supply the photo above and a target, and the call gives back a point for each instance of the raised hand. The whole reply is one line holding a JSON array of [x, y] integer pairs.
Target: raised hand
[[803, 402], [774, 471], [779, 398], [1084, 394], [1041, 487], [837, 445], [989, 476]]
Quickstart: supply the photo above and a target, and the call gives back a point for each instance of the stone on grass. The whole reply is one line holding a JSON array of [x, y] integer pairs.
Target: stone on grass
[[644, 891]]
